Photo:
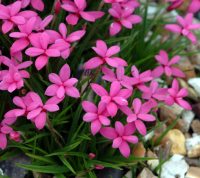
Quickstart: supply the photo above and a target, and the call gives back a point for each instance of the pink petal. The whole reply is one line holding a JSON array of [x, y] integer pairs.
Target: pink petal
[[184, 104], [98, 89], [64, 72], [44, 40], [140, 127], [146, 117], [104, 120], [131, 118], [95, 127], [37, 4], [51, 90], [75, 36], [54, 78], [52, 52], [174, 60], [3, 142], [114, 88], [129, 129], [89, 106], [120, 101], [108, 133], [117, 142], [88, 117], [119, 127], [73, 92], [72, 19], [124, 149], [157, 72], [81, 4], [34, 113], [19, 45], [173, 28], [40, 120], [34, 51], [93, 63], [19, 20], [51, 107], [112, 51], [115, 28], [87, 16], [136, 105], [41, 61], [7, 26], [112, 109], [15, 8], [70, 7], [177, 72], [131, 139]]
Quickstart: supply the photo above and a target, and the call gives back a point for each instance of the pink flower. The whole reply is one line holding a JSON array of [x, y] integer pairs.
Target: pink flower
[[14, 78], [96, 115], [62, 84], [15, 136], [166, 66], [10, 16], [4, 130], [194, 6], [154, 93], [174, 4], [42, 24], [104, 56], [40, 48], [36, 4], [176, 96], [184, 27], [77, 10], [139, 114], [63, 43], [120, 135], [38, 113], [113, 100], [110, 76], [123, 17], [138, 80], [23, 36]]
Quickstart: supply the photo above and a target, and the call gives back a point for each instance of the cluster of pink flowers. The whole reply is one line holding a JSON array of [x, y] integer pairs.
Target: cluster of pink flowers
[[122, 88], [36, 43], [123, 13]]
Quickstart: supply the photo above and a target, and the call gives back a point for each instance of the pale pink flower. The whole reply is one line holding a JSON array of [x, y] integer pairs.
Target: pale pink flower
[[63, 43], [14, 78], [176, 96], [22, 36], [76, 9], [4, 130], [166, 66], [38, 114], [116, 98], [41, 24], [138, 114], [154, 93], [36, 4], [109, 75], [194, 6], [124, 17], [120, 135], [42, 50], [96, 115], [10, 16], [138, 80], [105, 56], [62, 84], [184, 27]]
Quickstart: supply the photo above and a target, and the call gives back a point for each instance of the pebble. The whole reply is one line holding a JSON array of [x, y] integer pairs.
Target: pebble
[[196, 126], [175, 167], [153, 163], [193, 146], [193, 172], [139, 150], [146, 173], [177, 140], [195, 83]]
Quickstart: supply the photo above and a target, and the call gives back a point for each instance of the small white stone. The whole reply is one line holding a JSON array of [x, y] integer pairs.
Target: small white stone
[[176, 166], [195, 83], [188, 117], [192, 142], [1, 172]]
